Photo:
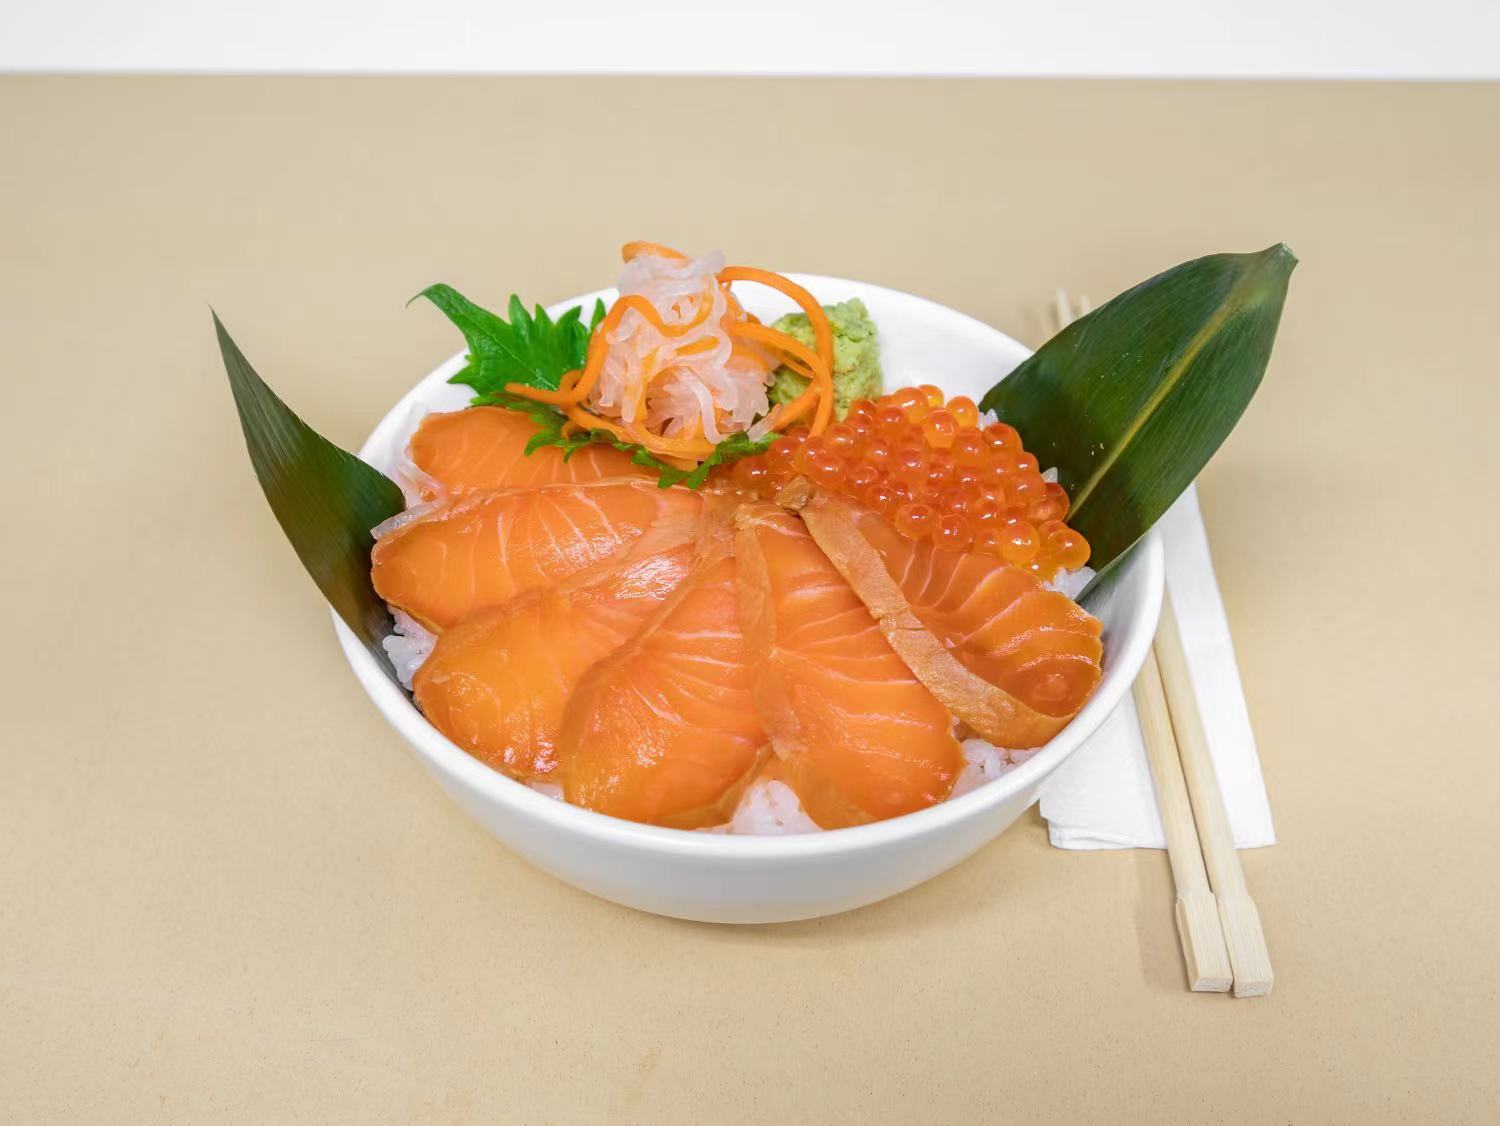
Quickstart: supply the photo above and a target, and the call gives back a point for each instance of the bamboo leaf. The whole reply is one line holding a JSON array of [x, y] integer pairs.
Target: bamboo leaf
[[326, 500], [1130, 401]]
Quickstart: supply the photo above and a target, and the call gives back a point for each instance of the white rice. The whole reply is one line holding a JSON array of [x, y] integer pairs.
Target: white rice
[[986, 763], [769, 808], [408, 647], [1072, 583], [772, 809]]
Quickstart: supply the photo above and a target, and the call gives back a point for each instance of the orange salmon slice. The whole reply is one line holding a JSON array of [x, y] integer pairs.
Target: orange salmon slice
[[1001, 621], [480, 449], [859, 737], [448, 563], [497, 683], [1013, 659], [664, 730]]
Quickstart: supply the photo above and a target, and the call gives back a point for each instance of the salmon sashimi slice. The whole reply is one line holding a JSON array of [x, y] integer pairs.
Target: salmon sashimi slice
[[859, 737], [481, 449], [1012, 659], [665, 730], [1001, 621], [497, 683], [444, 564]]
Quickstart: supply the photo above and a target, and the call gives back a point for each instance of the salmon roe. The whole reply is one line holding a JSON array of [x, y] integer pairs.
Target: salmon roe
[[937, 471]]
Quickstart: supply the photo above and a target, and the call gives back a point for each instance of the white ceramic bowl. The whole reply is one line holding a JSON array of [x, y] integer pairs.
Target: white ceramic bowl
[[745, 879]]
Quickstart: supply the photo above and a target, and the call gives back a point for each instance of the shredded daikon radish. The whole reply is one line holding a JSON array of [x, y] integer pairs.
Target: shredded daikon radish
[[688, 381]]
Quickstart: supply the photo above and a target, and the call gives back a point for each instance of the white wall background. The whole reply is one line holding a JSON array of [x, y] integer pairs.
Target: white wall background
[[1173, 38]]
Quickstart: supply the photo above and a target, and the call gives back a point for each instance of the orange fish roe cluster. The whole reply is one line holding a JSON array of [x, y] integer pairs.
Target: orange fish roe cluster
[[928, 467]]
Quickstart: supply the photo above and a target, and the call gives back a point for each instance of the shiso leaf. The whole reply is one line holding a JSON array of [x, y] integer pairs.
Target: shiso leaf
[[325, 498], [1130, 401], [732, 448], [534, 350], [550, 433], [530, 349]]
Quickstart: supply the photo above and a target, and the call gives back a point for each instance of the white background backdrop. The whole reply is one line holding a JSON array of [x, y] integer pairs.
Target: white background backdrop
[[1177, 38]]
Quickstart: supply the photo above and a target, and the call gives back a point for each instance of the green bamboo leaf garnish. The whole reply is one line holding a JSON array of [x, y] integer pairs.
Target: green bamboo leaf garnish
[[1130, 401], [325, 499]]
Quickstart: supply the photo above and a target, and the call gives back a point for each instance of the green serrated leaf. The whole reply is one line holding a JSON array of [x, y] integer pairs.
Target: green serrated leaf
[[530, 349], [549, 420], [549, 432], [731, 449], [325, 498], [1130, 401], [639, 455], [534, 350]]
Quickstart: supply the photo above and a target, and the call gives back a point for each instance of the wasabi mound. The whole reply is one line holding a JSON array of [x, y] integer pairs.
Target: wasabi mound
[[856, 356]]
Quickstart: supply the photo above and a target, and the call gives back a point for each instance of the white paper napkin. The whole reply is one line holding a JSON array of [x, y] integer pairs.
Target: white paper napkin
[[1102, 797]]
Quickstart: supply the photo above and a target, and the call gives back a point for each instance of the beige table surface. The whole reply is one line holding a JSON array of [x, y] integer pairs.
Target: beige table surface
[[227, 892]]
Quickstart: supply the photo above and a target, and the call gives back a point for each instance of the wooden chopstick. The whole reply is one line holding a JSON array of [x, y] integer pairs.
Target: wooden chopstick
[[1198, 926], [1243, 936], [1217, 922]]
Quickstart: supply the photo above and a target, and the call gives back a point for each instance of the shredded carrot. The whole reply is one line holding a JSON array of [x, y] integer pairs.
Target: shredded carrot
[[822, 330], [748, 357], [596, 422], [574, 386], [579, 420], [789, 413], [647, 310], [820, 372], [783, 416], [706, 344], [752, 343], [779, 341], [577, 388], [638, 247], [687, 447], [666, 448]]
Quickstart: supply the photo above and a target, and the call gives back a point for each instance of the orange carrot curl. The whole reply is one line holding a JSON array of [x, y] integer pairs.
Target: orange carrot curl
[[686, 450]]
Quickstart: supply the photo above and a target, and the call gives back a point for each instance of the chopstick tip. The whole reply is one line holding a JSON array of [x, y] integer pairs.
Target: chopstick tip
[[1203, 950]]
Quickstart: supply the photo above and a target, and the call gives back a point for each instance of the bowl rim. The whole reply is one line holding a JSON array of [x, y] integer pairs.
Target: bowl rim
[[441, 754]]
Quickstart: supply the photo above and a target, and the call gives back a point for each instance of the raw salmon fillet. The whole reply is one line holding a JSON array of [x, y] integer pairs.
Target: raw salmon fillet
[[1011, 658], [480, 449], [445, 564], [859, 737], [665, 730], [497, 683]]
